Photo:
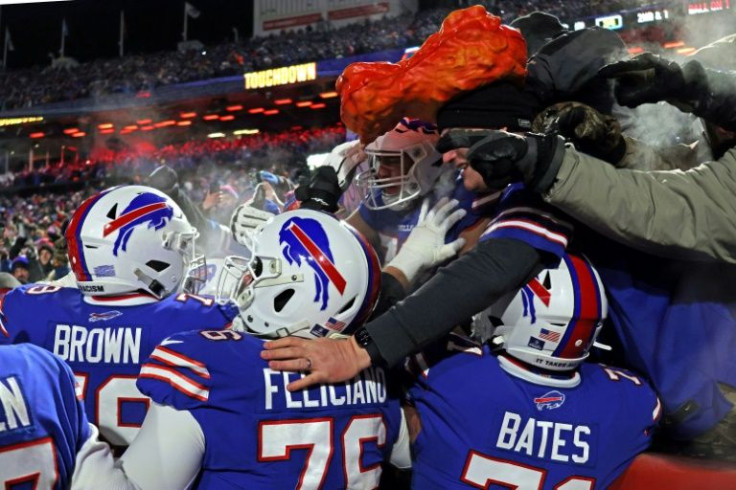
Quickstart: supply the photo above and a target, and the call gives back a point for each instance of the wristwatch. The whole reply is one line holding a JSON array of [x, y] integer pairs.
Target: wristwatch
[[364, 340]]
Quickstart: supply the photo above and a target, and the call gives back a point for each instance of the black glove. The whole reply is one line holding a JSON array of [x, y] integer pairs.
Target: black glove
[[710, 94], [322, 192], [590, 131], [649, 78], [461, 138], [503, 157]]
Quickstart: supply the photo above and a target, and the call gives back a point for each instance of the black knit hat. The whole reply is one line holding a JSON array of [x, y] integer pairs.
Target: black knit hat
[[493, 106]]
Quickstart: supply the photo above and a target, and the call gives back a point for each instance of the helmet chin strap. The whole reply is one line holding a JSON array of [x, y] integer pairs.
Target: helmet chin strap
[[155, 287]]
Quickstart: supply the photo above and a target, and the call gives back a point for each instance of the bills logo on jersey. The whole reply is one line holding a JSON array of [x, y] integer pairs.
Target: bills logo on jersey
[[549, 401], [305, 239], [146, 209], [101, 317]]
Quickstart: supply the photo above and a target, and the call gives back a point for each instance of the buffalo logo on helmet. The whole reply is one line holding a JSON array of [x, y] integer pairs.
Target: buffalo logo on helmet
[[305, 239], [145, 209], [549, 401]]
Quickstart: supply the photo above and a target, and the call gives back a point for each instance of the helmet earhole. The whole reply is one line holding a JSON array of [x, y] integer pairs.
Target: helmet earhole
[[280, 301]]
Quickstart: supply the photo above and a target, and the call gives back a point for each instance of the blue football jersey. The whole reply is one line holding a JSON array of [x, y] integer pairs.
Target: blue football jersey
[[524, 216], [393, 227], [483, 427], [676, 322], [42, 424], [104, 344], [259, 435]]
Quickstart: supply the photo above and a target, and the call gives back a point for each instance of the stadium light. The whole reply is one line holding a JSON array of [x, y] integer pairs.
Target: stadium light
[[270, 112], [164, 124], [107, 131], [328, 95], [105, 126], [245, 131], [318, 106], [211, 117], [144, 122], [234, 108], [148, 128], [256, 110], [132, 127], [71, 130], [37, 135], [79, 134], [184, 123], [227, 118], [216, 135], [304, 103], [282, 101], [188, 115]]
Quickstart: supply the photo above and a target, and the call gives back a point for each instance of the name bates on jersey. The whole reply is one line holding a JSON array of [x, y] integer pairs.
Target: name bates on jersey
[[367, 388], [76, 343], [556, 441]]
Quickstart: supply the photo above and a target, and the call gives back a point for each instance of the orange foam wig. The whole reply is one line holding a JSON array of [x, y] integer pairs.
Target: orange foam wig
[[471, 49]]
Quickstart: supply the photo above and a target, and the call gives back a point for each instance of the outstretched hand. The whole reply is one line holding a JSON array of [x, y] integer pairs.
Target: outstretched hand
[[646, 78], [323, 360]]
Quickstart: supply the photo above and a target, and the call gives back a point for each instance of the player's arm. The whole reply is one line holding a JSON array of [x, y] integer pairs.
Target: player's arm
[[401, 452], [168, 451], [95, 467]]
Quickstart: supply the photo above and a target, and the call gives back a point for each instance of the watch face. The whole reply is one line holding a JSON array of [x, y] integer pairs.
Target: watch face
[[363, 337]]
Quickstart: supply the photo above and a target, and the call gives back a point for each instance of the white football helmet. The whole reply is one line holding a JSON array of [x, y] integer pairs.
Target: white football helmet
[[310, 276], [130, 239], [553, 321], [417, 166]]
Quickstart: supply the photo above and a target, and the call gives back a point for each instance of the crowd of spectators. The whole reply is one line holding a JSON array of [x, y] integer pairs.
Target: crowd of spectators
[[134, 73], [30, 225]]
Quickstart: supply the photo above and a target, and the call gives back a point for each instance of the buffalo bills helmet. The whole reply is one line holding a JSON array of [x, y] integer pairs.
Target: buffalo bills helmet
[[553, 320], [404, 165], [310, 275], [130, 239]]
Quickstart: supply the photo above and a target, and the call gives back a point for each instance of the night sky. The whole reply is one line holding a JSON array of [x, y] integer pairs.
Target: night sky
[[152, 25]]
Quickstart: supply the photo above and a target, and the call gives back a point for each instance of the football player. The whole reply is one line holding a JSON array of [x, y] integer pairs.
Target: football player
[[221, 418], [45, 438], [129, 248], [405, 168], [550, 420]]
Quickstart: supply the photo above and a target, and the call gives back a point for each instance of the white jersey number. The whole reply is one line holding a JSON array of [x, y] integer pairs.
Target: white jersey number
[[481, 471], [31, 463], [109, 399], [276, 439]]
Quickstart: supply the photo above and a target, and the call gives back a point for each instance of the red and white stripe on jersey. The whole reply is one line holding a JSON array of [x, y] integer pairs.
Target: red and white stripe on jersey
[[175, 359], [176, 380], [170, 371], [534, 221]]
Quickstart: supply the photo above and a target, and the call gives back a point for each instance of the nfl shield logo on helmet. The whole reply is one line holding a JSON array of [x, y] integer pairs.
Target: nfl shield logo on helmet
[[549, 401]]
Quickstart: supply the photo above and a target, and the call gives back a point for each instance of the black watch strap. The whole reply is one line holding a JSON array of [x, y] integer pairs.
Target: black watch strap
[[364, 339]]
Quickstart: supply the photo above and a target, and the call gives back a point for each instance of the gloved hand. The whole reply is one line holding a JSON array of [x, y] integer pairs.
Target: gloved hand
[[247, 218], [501, 157], [649, 78], [425, 246], [590, 131], [322, 192]]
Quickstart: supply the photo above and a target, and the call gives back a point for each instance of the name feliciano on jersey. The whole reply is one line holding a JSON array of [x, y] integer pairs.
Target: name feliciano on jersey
[[368, 387]]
